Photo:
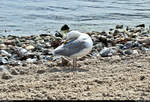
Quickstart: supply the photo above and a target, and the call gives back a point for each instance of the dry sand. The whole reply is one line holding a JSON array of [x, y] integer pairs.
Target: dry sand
[[101, 78]]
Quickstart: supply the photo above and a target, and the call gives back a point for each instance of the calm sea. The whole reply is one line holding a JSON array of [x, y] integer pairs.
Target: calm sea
[[27, 17]]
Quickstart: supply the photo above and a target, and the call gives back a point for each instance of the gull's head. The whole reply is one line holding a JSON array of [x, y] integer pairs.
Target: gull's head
[[72, 35], [64, 30]]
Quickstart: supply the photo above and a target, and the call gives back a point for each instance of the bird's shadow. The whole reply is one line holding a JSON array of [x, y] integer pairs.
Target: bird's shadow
[[67, 69]]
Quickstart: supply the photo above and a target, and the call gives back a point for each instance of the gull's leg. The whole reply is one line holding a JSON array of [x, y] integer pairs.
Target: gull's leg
[[74, 63]]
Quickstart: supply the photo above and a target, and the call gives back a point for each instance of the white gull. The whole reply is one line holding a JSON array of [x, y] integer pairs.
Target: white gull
[[77, 45]]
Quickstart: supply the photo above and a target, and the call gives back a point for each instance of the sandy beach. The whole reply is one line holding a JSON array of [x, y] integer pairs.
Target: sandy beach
[[114, 77]]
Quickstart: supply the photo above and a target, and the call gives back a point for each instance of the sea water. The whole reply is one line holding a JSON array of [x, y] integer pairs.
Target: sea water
[[27, 17]]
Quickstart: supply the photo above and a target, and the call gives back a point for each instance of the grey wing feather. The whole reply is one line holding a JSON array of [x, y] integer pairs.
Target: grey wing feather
[[71, 48]]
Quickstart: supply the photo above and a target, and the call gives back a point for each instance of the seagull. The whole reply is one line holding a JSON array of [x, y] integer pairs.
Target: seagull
[[76, 45]]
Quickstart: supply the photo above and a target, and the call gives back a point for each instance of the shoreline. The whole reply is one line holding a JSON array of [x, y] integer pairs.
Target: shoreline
[[5, 32], [117, 67]]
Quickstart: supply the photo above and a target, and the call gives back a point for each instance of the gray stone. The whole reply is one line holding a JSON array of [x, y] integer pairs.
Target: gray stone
[[6, 75], [39, 47], [136, 44], [128, 52], [41, 71], [144, 49], [135, 52], [3, 46], [3, 60], [119, 26], [141, 25], [105, 52], [46, 52], [99, 46], [49, 58], [21, 51], [128, 45], [14, 71], [15, 62], [29, 60], [120, 46], [5, 53], [3, 68]]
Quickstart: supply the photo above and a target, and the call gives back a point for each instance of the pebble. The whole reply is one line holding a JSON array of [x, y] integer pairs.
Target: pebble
[[105, 52], [14, 71], [30, 47], [21, 51], [145, 41], [41, 71], [5, 53], [128, 52], [141, 25], [3, 46], [128, 45], [3, 60], [3, 68], [142, 77], [135, 52], [119, 26], [6, 75], [58, 34], [29, 60]]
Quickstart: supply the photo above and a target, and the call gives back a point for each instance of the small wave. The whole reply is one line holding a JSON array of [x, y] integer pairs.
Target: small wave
[[38, 8], [61, 7], [50, 17], [92, 0], [141, 9], [127, 16]]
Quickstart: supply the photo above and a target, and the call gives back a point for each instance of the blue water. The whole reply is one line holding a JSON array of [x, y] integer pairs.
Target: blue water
[[27, 17]]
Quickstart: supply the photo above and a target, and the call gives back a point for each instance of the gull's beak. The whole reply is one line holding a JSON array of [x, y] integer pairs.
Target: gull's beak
[[65, 42]]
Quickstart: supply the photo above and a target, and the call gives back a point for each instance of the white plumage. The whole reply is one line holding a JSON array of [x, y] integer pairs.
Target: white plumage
[[78, 45]]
